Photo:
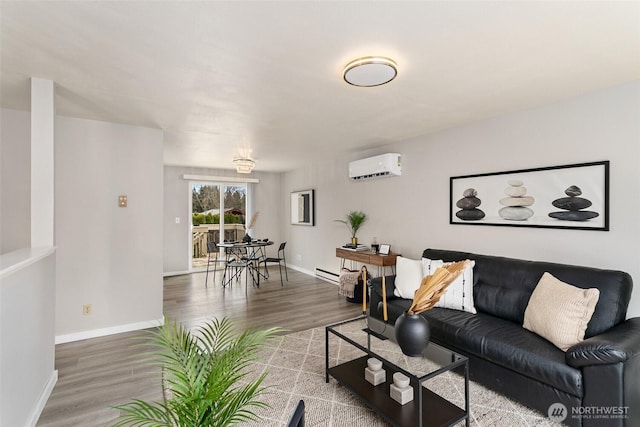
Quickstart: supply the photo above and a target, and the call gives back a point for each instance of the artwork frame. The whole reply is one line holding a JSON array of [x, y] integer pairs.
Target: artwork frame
[[574, 196], [385, 249], [303, 207]]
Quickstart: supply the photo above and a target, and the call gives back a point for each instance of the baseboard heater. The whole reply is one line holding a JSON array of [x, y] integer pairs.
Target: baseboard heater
[[329, 276]]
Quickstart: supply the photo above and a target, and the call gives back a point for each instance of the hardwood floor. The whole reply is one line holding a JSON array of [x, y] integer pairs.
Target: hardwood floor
[[98, 373]]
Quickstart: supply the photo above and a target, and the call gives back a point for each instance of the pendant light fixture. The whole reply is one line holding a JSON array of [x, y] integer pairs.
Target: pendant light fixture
[[244, 164]]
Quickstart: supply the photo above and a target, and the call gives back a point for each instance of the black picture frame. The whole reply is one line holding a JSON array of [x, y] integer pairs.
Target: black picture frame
[[574, 196]]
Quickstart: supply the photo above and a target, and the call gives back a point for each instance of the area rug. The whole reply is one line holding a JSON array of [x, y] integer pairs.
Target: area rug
[[295, 364]]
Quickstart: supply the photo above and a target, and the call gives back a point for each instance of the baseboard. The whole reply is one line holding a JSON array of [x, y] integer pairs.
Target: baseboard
[[301, 270], [95, 333], [175, 273], [42, 401], [312, 273], [327, 276]]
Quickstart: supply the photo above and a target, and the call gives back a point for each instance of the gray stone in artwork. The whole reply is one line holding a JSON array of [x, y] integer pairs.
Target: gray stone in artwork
[[572, 206], [516, 213], [470, 214], [470, 192], [573, 191], [515, 191], [571, 203], [574, 215], [468, 203], [517, 201]]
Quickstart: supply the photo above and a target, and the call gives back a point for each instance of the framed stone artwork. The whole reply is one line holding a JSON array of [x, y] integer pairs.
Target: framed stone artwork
[[568, 196]]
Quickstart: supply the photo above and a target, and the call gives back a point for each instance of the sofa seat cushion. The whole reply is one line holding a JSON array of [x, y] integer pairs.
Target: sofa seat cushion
[[395, 308], [506, 344]]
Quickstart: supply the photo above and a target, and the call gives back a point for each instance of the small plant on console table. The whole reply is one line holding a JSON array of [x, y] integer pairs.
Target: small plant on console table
[[355, 220]]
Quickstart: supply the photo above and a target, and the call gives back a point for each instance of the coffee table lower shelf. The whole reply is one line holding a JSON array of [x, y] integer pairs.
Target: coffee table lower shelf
[[436, 411]]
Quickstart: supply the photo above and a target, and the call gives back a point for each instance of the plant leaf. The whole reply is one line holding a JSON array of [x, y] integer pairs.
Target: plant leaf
[[205, 373]]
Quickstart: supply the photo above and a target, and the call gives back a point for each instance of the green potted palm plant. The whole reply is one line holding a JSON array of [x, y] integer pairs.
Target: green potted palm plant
[[204, 377], [355, 220]]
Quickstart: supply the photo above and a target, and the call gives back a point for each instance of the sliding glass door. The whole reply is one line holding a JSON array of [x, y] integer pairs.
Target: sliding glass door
[[218, 214]]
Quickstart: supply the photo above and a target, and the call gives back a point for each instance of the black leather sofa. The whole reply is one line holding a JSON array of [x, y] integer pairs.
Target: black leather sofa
[[598, 380]]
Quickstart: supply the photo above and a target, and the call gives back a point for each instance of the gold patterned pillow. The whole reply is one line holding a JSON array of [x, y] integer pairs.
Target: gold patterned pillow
[[560, 312]]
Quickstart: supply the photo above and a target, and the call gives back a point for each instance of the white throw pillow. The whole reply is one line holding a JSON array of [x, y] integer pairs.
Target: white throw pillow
[[408, 277], [459, 294]]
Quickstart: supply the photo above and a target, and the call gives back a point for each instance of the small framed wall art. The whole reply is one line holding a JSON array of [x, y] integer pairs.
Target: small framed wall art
[[384, 249], [570, 196]]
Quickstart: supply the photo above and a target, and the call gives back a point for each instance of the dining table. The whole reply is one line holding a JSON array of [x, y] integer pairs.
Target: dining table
[[249, 255]]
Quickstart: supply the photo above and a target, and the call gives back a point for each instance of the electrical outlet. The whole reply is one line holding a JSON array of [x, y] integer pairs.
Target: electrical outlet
[[298, 257], [86, 309]]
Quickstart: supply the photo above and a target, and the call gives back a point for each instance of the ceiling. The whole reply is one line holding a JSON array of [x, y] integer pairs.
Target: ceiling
[[220, 78]]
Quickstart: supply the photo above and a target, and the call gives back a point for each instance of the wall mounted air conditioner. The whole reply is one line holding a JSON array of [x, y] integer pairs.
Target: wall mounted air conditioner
[[376, 167]]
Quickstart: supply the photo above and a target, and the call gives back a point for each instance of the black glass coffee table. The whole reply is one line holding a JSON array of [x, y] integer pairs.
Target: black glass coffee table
[[346, 359]]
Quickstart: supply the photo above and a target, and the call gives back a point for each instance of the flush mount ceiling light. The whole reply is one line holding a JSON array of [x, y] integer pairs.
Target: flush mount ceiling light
[[370, 71], [244, 164]]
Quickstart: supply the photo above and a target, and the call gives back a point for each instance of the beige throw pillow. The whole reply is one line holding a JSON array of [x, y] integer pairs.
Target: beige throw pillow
[[560, 312]]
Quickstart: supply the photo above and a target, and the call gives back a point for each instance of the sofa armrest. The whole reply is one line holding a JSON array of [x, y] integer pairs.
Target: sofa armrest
[[618, 344]]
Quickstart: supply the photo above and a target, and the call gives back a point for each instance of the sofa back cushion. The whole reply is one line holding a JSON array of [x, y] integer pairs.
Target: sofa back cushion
[[503, 286], [500, 301]]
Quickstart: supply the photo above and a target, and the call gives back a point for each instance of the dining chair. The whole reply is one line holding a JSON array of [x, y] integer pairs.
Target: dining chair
[[256, 255], [280, 259], [237, 263], [213, 257]]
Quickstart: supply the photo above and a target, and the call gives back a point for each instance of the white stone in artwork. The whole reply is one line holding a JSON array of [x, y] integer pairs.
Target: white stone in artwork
[[374, 373], [401, 391], [516, 191], [516, 213], [517, 201]]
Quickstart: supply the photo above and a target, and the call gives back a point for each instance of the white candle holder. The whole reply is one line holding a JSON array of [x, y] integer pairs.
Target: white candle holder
[[401, 390], [374, 373]]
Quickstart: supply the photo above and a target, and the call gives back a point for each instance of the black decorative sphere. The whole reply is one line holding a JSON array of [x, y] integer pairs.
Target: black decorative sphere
[[412, 334]]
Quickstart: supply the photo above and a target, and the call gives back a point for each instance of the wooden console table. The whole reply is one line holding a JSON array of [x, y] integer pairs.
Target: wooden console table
[[366, 257]]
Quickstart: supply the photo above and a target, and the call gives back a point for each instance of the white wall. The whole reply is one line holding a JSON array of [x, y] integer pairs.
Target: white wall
[[266, 195], [27, 272], [411, 212], [27, 374], [15, 180], [107, 256]]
